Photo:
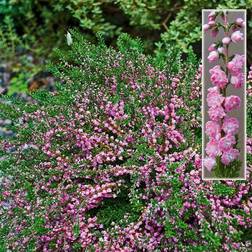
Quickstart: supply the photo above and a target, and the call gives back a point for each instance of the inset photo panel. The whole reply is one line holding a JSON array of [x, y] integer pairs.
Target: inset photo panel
[[224, 94]]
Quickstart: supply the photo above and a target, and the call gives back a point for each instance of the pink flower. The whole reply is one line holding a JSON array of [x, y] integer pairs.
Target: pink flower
[[221, 50], [225, 143], [213, 129], [213, 90], [216, 113], [211, 16], [237, 36], [209, 163], [212, 47], [197, 161], [211, 23], [232, 102], [218, 76], [237, 80], [235, 66], [214, 55], [212, 148], [226, 40], [206, 27], [239, 21], [214, 99], [229, 156], [230, 125]]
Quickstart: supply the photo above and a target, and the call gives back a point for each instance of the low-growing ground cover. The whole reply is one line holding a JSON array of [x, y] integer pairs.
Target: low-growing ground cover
[[111, 160]]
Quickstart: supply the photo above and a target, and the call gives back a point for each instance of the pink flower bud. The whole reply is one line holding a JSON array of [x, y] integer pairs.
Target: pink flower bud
[[211, 16], [221, 50], [226, 40], [212, 47], [239, 21], [237, 36], [214, 55], [211, 23], [206, 27]]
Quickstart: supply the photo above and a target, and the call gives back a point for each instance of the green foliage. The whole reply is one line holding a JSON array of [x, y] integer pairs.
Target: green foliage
[[227, 171], [213, 239], [223, 190], [202, 200], [38, 225], [89, 14], [113, 211], [147, 14], [9, 40], [19, 83], [16, 56], [185, 29], [178, 23], [169, 232]]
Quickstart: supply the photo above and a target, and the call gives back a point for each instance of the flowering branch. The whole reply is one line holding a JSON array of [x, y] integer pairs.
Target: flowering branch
[[222, 129]]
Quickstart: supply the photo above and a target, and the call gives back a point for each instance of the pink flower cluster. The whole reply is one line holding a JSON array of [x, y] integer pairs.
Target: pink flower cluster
[[235, 67], [218, 76], [222, 128]]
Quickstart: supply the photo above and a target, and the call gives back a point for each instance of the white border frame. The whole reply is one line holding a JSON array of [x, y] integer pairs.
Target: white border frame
[[244, 96]]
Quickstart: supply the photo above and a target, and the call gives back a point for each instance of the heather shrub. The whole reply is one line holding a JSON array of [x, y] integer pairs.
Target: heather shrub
[[110, 162]]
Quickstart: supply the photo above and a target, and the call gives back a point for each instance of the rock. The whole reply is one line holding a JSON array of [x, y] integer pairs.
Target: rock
[[11, 149], [25, 97], [7, 122], [41, 80], [29, 146], [6, 102], [6, 133], [3, 90], [4, 75]]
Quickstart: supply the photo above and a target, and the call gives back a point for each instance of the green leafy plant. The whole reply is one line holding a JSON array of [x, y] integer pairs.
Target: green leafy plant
[[9, 40]]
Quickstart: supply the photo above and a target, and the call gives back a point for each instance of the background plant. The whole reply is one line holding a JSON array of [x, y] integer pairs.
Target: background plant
[[160, 24], [177, 22]]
